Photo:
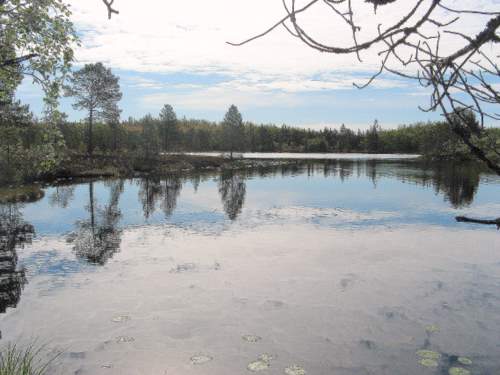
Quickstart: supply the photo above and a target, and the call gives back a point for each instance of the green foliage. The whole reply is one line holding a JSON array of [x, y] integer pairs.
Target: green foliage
[[15, 360], [27, 149], [433, 139], [36, 40], [96, 90], [233, 130], [168, 127]]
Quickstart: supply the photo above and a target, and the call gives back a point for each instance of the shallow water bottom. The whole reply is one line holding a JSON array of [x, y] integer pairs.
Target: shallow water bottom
[[332, 301]]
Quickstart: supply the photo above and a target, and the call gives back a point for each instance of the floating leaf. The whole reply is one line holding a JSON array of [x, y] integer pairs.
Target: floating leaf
[[464, 361], [251, 338], [267, 357], [200, 359], [258, 366], [123, 339], [432, 328], [186, 267], [120, 318], [295, 370], [426, 362], [429, 354], [458, 371]]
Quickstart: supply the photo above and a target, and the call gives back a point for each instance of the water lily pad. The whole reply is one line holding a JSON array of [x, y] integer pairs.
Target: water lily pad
[[426, 362], [200, 359], [458, 371], [120, 318], [124, 339], [465, 361], [259, 365], [186, 267], [267, 357], [429, 354], [432, 328], [295, 370], [251, 338]]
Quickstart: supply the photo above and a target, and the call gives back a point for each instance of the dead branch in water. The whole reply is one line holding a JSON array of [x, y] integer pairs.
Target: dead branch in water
[[464, 219]]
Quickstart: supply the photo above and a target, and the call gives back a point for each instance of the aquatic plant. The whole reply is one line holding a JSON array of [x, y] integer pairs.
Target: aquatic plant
[[262, 363], [432, 328], [426, 362], [124, 339], [120, 318], [200, 359], [251, 338], [429, 354], [458, 371], [267, 357], [258, 365], [16, 360], [464, 361], [295, 370]]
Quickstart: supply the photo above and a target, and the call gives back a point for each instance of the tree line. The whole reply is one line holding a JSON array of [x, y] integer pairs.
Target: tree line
[[31, 147], [152, 134]]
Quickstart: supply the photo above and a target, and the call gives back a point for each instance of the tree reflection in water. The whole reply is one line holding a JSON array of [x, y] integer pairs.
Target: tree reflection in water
[[98, 238], [458, 182], [232, 189], [14, 232], [150, 192], [62, 196], [172, 186], [166, 191]]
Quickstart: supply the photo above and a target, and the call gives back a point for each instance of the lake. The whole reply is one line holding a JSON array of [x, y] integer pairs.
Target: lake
[[323, 267]]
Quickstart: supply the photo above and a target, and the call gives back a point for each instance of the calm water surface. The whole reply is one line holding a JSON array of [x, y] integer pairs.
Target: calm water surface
[[342, 267], [310, 156]]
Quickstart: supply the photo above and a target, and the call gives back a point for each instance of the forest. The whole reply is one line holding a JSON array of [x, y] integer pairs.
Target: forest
[[31, 148]]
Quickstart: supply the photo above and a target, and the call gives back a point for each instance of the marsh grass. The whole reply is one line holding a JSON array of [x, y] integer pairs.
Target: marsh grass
[[27, 360]]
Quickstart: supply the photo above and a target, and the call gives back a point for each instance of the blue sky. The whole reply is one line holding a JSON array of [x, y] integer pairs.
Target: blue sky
[[173, 52]]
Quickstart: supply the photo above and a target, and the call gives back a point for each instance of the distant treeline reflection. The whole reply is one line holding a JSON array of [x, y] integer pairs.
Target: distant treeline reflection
[[458, 183], [97, 237]]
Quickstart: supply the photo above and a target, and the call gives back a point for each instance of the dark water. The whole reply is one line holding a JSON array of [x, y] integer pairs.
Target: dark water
[[342, 267]]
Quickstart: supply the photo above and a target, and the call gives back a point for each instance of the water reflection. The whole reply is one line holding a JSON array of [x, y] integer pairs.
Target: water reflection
[[14, 232], [232, 189], [62, 196], [457, 182], [300, 212], [98, 237], [150, 193], [171, 189]]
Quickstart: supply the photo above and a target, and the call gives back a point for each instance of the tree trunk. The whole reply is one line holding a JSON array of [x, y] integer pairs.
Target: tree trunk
[[91, 206], [90, 145]]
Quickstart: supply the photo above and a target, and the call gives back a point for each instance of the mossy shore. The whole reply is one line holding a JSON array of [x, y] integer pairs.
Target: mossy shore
[[126, 166], [79, 166]]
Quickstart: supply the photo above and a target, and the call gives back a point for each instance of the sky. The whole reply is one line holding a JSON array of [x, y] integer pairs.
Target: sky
[[175, 52]]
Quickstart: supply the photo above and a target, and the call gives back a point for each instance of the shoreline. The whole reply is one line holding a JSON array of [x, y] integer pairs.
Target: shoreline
[[76, 167]]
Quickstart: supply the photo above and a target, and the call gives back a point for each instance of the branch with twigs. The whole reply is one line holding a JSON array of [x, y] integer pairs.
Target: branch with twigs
[[460, 82], [109, 6]]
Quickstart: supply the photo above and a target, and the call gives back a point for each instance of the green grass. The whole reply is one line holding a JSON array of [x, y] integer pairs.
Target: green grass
[[28, 360]]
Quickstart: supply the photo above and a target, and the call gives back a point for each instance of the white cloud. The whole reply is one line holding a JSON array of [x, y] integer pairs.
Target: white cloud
[[172, 36], [218, 97], [190, 35]]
